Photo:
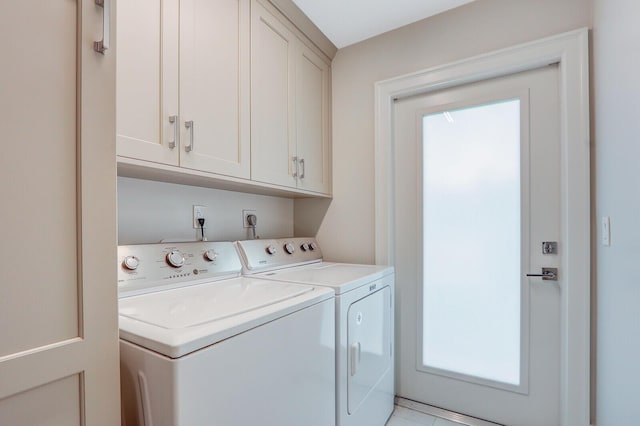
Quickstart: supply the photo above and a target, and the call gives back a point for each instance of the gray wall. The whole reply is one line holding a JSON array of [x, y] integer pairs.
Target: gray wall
[[616, 101], [346, 227], [347, 230], [151, 211]]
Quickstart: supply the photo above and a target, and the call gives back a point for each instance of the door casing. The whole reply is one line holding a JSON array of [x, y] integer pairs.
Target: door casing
[[571, 52]]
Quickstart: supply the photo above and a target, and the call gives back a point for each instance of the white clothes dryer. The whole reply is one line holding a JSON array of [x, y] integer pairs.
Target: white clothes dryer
[[364, 320], [202, 346]]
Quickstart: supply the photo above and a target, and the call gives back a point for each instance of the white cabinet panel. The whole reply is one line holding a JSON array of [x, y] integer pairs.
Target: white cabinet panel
[[272, 92], [312, 121], [289, 107], [147, 80], [184, 61], [214, 94]]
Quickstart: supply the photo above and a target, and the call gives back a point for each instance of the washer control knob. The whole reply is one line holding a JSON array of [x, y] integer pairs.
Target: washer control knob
[[313, 246], [270, 249], [210, 255], [175, 258], [304, 247], [289, 248], [131, 263]]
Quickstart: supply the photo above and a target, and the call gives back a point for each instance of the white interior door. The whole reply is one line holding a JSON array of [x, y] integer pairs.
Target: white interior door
[[477, 184], [59, 359]]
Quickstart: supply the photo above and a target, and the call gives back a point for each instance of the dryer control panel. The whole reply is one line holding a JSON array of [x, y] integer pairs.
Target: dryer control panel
[[264, 255], [150, 267]]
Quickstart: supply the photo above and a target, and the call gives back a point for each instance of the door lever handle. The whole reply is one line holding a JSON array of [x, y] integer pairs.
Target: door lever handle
[[548, 274]]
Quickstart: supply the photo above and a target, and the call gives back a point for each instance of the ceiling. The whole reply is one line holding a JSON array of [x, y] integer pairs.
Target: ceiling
[[347, 22]]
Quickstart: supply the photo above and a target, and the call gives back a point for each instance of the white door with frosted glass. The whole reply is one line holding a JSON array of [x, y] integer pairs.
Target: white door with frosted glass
[[477, 183]]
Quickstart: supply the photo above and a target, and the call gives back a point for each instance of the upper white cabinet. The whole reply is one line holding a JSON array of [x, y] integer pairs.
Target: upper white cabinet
[[289, 106], [183, 84], [273, 148], [217, 92], [312, 121], [214, 86], [147, 80]]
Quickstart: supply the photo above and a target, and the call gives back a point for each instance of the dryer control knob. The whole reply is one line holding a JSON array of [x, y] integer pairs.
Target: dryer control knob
[[313, 246], [210, 255], [289, 248], [175, 258], [270, 249], [304, 247], [131, 263]]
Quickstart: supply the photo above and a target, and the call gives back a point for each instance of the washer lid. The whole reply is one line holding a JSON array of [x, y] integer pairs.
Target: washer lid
[[206, 303], [179, 321], [341, 277]]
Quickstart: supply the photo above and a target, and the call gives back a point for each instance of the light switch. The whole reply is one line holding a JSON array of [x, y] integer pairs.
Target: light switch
[[606, 231]]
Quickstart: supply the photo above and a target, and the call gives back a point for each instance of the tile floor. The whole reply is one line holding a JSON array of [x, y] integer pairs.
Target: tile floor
[[406, 417]]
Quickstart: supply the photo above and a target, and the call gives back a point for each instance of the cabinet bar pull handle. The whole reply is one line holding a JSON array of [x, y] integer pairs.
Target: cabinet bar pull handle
[[173, 119], [189, 126], [102, 45], [302, 164], [295, 167]]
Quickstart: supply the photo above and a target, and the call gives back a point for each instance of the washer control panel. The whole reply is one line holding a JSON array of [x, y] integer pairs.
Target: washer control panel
[[148, 267], [263, 255]]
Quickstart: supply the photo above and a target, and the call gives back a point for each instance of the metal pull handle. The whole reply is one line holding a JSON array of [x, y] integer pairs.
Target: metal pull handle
[[548, 274], [302, 164], [295, 166], [102, 45], [356, 351], [173, 119], [189, 126]]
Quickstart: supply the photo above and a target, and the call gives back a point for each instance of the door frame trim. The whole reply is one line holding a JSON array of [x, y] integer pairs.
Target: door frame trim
[[571, 52]]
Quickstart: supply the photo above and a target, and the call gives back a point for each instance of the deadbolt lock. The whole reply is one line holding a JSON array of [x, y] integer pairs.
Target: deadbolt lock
[[549, 247]]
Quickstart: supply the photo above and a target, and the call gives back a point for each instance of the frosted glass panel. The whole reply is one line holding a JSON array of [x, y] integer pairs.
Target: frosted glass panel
[[472, 243]]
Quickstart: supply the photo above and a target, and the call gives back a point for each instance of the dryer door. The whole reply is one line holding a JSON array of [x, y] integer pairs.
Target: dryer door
[[369, 343]]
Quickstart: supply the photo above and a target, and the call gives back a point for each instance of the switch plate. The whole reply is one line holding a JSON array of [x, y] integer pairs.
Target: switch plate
[[198, 213], [245, 213], [606, 231]]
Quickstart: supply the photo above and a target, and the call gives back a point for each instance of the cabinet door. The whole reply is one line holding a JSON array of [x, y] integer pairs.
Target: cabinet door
[[272, 94], [214, 86], [312, 121], [59, 361], [147, 80]]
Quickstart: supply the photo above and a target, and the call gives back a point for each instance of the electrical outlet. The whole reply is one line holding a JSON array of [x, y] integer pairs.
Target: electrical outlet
[[199, 212], [245, 213]]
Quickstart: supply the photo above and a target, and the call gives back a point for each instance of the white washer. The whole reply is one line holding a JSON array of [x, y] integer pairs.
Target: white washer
[[201, 346], [364, 320]]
